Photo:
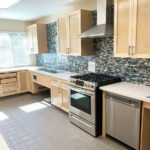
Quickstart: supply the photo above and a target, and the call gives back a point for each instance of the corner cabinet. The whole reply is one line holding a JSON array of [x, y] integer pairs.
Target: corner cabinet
[[36, 39], [132, 28], [68, 27]]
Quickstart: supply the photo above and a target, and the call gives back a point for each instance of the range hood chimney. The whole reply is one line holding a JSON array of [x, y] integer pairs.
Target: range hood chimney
[[104, 26]]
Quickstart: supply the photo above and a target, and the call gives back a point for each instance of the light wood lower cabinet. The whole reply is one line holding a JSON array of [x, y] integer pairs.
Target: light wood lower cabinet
[[65, 100], [8, 84], [145, 127], [31, 86], [41, 79], [59, 94], [22, 81], [56, 96]]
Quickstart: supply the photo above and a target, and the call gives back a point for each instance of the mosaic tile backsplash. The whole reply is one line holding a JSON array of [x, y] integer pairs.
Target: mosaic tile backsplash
[[130, 70]]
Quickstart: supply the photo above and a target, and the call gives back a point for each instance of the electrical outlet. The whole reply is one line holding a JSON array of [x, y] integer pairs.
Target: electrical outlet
[[91, 66]]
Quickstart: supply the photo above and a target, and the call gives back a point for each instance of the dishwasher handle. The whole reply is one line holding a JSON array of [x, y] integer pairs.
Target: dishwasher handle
[[124, 100]]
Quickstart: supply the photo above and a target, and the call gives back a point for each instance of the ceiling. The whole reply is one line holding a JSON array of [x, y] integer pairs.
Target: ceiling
[[28, 10]]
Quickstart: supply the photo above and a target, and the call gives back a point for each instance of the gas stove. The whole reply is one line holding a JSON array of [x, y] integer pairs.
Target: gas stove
[[85, 101], [92, 81]]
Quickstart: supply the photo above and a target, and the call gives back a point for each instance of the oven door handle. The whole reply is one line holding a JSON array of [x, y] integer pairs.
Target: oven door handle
[[87, 92]]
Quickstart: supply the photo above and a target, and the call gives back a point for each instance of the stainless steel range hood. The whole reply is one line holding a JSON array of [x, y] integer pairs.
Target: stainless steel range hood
[[104, 26]]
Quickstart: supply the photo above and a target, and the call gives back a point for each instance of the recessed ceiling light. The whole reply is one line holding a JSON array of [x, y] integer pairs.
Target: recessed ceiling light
[[7, 3]]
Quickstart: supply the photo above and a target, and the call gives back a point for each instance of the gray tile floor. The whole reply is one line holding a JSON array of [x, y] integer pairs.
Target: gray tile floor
[[44, 129]]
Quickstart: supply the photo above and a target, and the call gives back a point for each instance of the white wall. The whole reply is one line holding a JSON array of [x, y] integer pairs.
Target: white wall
[[13, 25], [87, 4]]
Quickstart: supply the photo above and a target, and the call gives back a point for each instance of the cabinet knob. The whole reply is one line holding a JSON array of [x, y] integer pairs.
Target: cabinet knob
[[67, 50]]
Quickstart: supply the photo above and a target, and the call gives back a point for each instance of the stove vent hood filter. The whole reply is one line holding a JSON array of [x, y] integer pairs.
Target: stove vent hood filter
[[104, 26]]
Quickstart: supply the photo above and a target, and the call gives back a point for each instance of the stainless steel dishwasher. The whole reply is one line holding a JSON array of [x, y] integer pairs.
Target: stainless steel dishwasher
[[123, 119]]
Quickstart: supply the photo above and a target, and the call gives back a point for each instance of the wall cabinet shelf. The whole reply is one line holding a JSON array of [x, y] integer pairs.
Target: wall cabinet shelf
[[132, 28], [36, 39], [68, 27]]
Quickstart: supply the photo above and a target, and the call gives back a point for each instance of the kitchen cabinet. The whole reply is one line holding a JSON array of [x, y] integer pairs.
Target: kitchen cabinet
[[41, 79], [132, 28], [37, 39], [8, 84], [31, 85], [145, 127], [22, 81], [59, 94], [56, 96], [68, 27]]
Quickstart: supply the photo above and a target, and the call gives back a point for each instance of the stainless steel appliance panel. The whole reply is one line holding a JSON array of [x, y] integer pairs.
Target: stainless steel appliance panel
[[91, 117], [83, 124], [123, 119]]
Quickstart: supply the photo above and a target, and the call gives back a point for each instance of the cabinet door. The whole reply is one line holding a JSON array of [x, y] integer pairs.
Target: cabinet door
[[74, 30], [29, 81], [29, 39], [145, 127], [123, 27], [34, 39], [56, 96], [62, 30], [141, 43], [65, 100], [22, 81]]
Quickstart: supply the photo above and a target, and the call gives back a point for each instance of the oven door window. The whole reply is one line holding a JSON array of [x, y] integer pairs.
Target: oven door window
[[81, 101]]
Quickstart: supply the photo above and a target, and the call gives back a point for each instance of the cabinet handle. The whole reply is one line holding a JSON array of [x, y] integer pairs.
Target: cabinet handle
[[129, 47], [133, 50], [67, 50]]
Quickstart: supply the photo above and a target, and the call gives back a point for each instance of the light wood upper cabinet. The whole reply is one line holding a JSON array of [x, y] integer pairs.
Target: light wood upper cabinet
[[122, 8], [69, 27], [37, 39], [141, 29], [62, 36], [132, 28]]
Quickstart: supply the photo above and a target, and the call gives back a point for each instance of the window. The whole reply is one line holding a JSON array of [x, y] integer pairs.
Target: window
[[13, 50]]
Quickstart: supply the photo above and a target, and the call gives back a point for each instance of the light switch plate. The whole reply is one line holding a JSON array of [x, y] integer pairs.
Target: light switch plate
[[91, 66]]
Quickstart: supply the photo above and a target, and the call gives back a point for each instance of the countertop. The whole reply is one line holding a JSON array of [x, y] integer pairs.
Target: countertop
[[64, 75], [135, 91]]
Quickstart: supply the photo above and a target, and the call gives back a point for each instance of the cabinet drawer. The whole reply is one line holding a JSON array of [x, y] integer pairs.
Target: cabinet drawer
[[56, 81], [7, 93], [5, 81], [8, 87], [7, 75]]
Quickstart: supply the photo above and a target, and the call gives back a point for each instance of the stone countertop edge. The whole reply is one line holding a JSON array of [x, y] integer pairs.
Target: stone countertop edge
[[64, 76], [130, 90]]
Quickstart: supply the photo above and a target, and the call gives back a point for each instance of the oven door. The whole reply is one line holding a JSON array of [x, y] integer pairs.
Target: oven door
[[82, 103]]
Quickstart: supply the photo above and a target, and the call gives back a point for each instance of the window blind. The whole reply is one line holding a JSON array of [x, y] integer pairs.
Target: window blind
[[13, 50]]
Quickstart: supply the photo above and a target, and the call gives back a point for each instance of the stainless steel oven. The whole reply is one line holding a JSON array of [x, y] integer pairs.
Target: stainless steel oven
[[82, 107], [85, 104]]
